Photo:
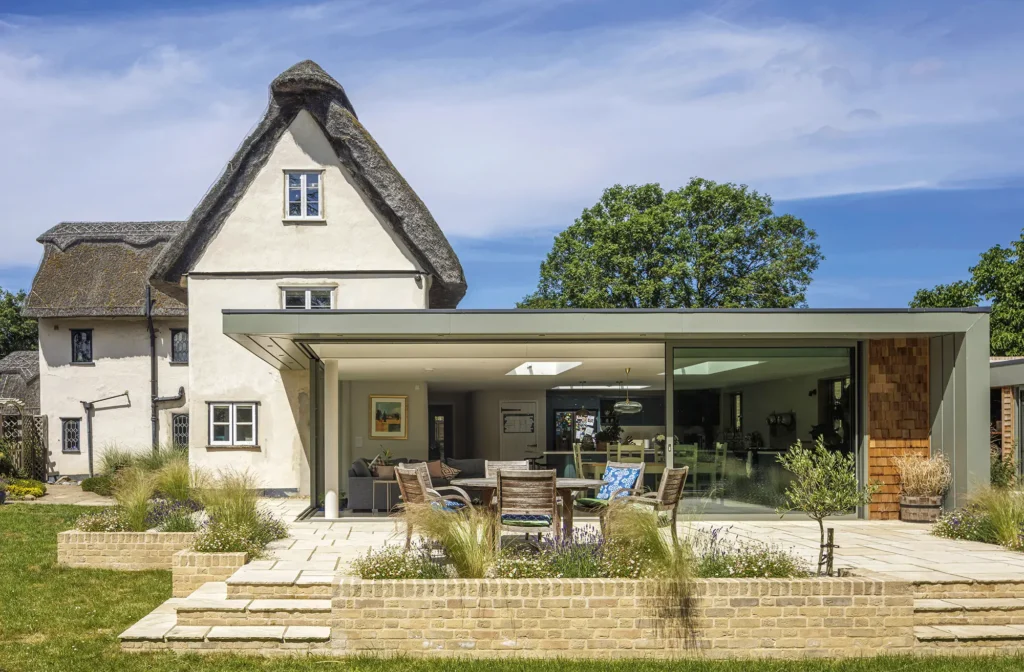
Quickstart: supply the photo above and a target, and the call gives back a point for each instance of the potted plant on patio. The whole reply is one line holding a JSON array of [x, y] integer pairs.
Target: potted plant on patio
[[923, 483]]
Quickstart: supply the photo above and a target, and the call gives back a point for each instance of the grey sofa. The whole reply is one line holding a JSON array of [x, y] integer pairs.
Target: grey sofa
[[362, 496]]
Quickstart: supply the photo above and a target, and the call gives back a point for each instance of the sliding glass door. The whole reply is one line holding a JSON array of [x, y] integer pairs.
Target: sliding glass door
[[735, 410]]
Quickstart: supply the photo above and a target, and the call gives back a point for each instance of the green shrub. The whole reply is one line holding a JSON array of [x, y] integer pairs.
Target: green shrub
[[719, 557], [107, 520], [101, 485], [393, 562], [133, 488], [19, 488], [7, 467], [114, 459]]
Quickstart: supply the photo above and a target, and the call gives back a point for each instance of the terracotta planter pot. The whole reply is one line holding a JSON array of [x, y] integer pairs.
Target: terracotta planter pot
[[920, 509]]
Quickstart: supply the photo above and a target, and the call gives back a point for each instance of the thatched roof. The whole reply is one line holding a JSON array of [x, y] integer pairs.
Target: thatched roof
[[19, 378], [306, 86], [101, 269]]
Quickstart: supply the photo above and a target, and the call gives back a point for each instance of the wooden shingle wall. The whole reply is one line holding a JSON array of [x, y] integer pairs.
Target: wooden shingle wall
[[898, 414]]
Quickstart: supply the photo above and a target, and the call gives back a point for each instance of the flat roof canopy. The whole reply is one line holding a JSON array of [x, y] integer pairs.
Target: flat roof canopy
[[284, 338]]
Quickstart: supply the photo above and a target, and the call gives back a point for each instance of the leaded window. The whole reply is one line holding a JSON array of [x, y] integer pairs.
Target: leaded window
[[303, 195], [81, 346], [71, 435], [179, 346], [179, 429]]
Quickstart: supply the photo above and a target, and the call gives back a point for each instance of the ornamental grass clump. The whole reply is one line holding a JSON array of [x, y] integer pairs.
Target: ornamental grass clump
[[666, 561], [464, 536], [923, 476], [133, 489], [992, 516], [115, 458], [235, 522]]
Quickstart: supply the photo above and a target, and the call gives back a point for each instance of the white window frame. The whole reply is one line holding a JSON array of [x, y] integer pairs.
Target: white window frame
[[303, 217], [309, 296], [232, 423]]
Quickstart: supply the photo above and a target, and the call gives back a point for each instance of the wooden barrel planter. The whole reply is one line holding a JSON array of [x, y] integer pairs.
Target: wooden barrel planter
[[925, 509]]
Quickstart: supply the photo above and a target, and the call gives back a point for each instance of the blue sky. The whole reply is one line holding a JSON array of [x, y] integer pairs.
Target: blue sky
[[893, 128]]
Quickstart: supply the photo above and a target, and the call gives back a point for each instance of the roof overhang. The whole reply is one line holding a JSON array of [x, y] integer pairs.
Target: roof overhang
[[1007, 373], [278, 336]]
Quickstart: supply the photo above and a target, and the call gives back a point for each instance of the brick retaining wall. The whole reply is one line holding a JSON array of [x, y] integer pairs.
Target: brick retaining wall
[[602, 618], [190, 570], [120, 550]]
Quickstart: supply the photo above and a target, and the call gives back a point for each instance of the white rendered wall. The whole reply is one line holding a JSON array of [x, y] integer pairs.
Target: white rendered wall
[[353, 237], [120, 363]]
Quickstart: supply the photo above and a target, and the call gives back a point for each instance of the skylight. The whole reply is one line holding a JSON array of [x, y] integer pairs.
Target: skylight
[[542, 368], [710, 368], [600, 387]]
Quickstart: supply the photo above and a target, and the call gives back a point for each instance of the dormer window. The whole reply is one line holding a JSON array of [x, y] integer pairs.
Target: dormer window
[[303, 196]]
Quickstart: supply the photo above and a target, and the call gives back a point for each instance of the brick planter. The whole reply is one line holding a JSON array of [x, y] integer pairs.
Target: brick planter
[[603, 618], [920, 509], [190, 570], [133, 551]]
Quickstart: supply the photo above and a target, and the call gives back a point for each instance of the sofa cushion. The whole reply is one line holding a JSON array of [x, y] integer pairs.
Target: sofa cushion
[[434, 469], [360, 469], [449, 472], [468, 468]]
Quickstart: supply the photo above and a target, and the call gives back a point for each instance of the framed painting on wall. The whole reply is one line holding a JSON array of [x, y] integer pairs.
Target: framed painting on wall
[[389, 417]]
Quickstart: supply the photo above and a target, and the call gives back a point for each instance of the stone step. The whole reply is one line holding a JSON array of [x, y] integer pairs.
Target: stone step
[[969, 633], [234, 612], [970, 611], [274, 584], [226, 638], [945, 590]]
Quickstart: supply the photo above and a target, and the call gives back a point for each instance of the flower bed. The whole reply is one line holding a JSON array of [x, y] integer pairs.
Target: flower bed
[[605, 618]]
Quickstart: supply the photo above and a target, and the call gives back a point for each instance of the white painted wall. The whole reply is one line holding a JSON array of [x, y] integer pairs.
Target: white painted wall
[[353, 236], [487, 420], [418, 443], [222, 370], [120, 363]]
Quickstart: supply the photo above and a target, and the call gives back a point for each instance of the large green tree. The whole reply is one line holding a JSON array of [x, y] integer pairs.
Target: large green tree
[[16, 331], [705, 245], [998, 279]]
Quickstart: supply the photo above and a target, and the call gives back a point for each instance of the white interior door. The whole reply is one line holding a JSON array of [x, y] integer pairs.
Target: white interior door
[[518, 430]]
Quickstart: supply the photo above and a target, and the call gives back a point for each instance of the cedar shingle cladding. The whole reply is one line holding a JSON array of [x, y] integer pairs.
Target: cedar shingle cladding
[[898, 414], [100, 269]]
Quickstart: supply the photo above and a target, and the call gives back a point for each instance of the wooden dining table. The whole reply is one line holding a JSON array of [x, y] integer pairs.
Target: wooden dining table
[[566, 487]]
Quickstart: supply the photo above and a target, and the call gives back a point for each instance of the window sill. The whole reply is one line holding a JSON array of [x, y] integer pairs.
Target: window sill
[[71, 452], [178, 363], [254, 449], [83, 363], [311, 220]]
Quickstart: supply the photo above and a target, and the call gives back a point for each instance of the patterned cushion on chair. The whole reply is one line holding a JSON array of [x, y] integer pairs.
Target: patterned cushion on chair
[[617, 478], [525, 520], [448, 505]]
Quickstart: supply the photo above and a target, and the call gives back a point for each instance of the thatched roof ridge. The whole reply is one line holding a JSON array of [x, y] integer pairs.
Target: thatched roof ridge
[[101, 269], [19, 378], [24, 363], [307, 86]]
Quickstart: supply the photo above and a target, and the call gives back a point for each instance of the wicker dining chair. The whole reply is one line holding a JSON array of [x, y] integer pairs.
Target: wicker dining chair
[[670, 492], [415, 488], [527, 501]]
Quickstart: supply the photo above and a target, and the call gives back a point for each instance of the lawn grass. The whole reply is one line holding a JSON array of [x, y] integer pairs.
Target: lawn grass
[[60, 620]]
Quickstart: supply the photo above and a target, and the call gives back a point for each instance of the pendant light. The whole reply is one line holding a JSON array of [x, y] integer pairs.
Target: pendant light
[[627, 407]]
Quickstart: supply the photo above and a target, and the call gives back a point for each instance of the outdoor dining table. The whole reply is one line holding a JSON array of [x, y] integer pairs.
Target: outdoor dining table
[[566, 487]]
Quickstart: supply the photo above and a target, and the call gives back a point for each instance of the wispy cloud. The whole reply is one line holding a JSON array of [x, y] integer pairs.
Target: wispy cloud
[[503, 121]]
